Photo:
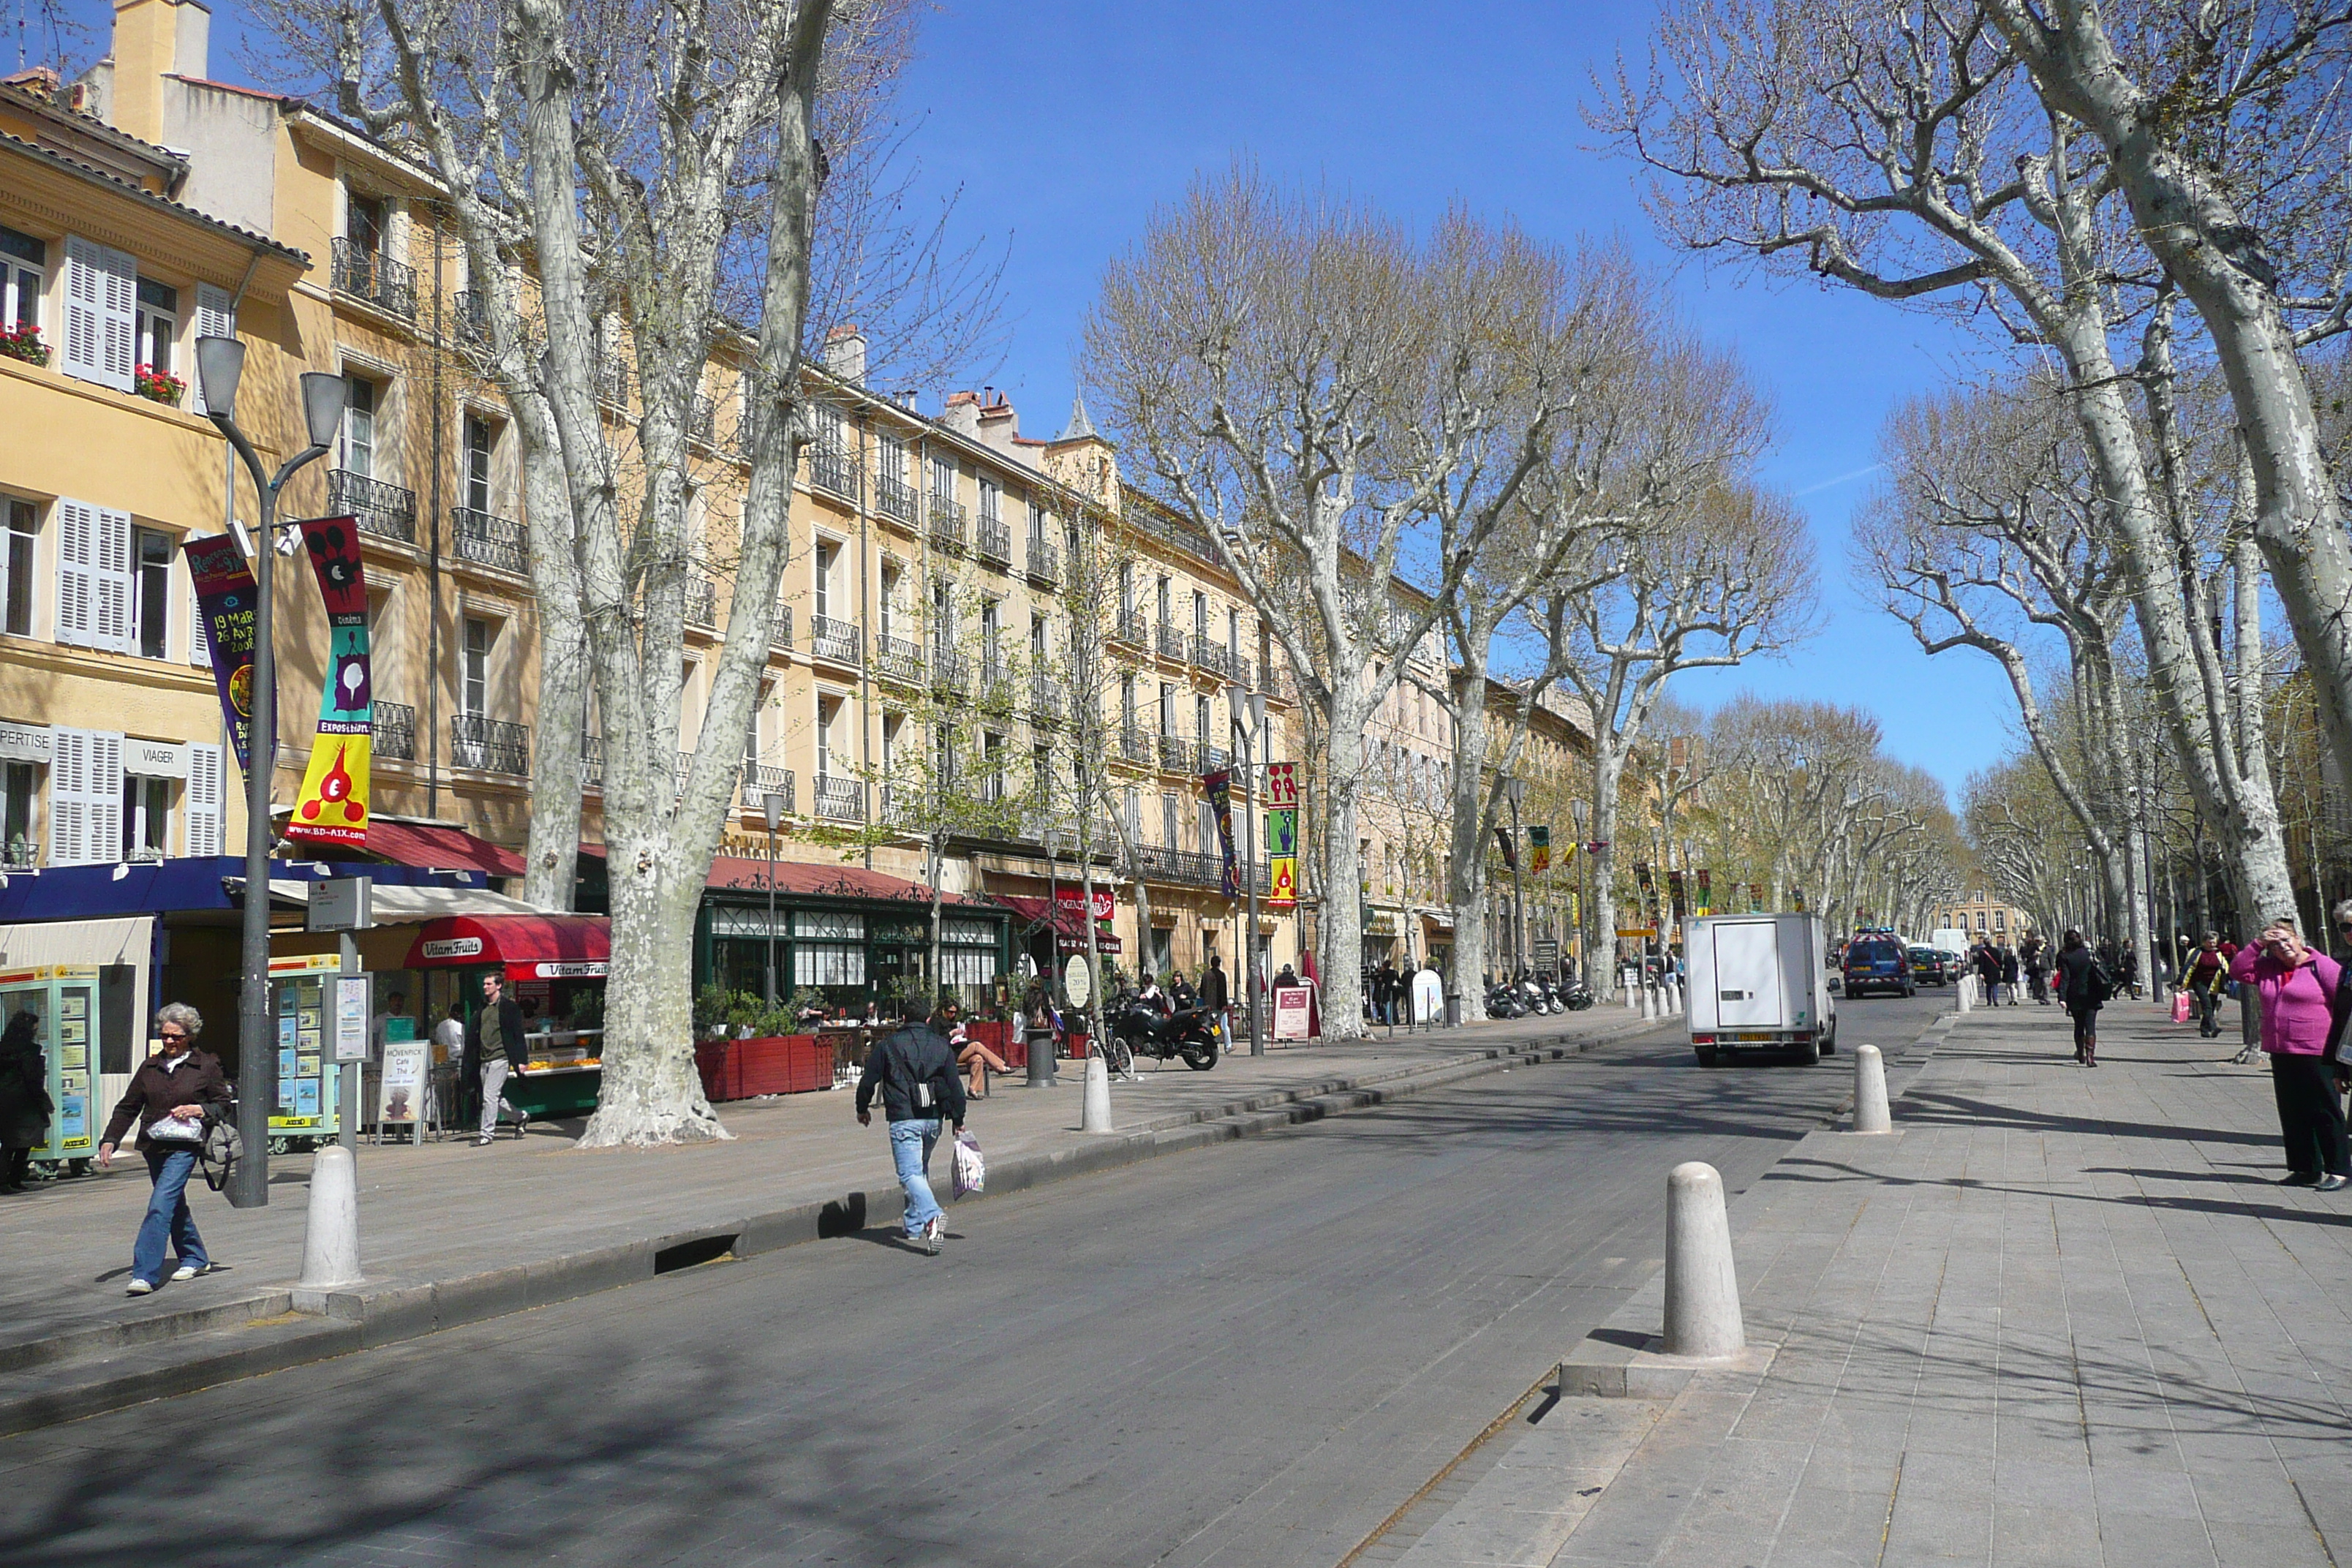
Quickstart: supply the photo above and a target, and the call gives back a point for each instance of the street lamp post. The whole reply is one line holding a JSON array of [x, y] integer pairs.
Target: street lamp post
[[1583, 892], [1248, 712], [772, 806], [220, 362], [1514, 790], [1043, 1073]]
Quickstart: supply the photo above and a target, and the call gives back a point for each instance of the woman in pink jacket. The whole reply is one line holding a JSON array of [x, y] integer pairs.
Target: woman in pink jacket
[[2296, 986]]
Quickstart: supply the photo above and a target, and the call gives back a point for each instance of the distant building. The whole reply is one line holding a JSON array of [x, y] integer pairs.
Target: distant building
[[1982, 914]]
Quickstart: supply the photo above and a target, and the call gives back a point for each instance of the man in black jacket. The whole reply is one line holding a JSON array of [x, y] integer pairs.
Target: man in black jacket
[[494, 1043], [914, 1073], [1216, 998]]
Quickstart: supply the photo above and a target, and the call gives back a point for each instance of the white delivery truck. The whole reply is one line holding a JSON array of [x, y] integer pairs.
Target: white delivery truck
[[1758, 982]]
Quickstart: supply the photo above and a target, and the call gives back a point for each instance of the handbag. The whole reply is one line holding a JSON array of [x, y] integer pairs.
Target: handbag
[[177, 1129], [2181, 1006]]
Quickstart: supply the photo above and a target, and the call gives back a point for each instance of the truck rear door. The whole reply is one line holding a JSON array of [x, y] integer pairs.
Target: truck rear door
[[1747, 975]]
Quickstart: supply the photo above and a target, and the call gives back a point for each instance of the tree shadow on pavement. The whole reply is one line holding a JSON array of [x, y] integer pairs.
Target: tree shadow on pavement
[[1938, 1108]]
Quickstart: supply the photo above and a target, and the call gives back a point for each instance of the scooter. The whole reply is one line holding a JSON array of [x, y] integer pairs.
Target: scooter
[[1578, 996], [1189, 1034], [1504, 1001]]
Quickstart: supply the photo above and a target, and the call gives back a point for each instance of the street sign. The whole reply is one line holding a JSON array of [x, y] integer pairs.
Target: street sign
[[343, 903], [1077, 981], [1547, 952], [1637, 931], [351, 1016]]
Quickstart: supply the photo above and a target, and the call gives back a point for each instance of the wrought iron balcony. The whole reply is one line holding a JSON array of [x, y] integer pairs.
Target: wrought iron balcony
[[612, 378], [1132, 627], [1044, 699], [702, 601], [779, 630], [1176, 752], [1134, 746], [395, 731], [1171, 640], [840, 641], [1045, 563], [469, 317], [897, 806], [996, 543], [994, 676], [895, 498], [760, 781], [842, 800], [489, 745], [1238, 668], [372, 275], [833, 469], [947, 517], [950, 671], [1212, 656], [381, 508], [1210, 759], [896, 659], [21, 851], [591, 761], [489, 540]]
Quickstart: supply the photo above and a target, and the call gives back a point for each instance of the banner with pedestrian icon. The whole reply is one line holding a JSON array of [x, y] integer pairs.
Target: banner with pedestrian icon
[[332, 807]]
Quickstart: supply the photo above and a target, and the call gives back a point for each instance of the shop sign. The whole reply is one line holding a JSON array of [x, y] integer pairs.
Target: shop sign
[[453, 947], [401, 1091], [25, 743], [155, 759], [1068, 901], [1291, 1012], [586, 970]]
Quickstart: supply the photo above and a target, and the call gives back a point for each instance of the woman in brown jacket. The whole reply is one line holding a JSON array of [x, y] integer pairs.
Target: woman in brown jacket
[[169, 1095]]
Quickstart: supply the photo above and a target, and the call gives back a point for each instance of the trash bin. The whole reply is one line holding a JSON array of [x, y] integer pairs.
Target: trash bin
[[1453, 1009]]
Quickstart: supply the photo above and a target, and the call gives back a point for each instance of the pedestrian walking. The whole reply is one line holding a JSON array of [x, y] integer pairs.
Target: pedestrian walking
[[25, 1103], [2208, 970], [2298, 987], [2034, 953], [1218, 999], [914, 1073], [170, 1096], [1988, 965], [2009, 971], [2083, 986], [2127, 970], [495, 1046]]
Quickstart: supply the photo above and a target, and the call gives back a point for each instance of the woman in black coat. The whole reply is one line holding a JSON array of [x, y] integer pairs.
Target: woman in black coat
[[25, 1103]]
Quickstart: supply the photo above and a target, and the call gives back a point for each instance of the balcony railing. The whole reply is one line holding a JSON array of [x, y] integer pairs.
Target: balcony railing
[[950, 671], [702, 421], [897, 806], [469, 317], [489, 540], [947, 522], [395, 731], [995, 674], [1132, 627], [1171, 640], [375, 278], [1044, 564], [831, 468], [895, 498], [1044, 699], [1176, 752], [759, 780], [1238, 668], [1212, 656], [779, 630], [842, 800], [702, 602], [840, 641], [1134, 746], [996, 543], [1209, 759], [381, 508], [490, 745], [896, 659]]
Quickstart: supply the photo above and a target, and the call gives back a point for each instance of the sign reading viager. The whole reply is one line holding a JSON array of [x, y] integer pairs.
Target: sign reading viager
[[333, 805]]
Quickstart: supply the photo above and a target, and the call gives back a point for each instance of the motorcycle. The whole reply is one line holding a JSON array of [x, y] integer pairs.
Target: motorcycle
[[1504, 1001], [1540, 995], [1578, 996], [1142, 1030]]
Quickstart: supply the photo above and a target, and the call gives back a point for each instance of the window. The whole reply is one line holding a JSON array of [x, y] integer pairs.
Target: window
[[481, 440], [1167, 709], [1127, 702], [24, 267], [101, 313], [826, 553], [1041, 775], [992, 768], [942, 614], [944, 479], [1201, 719], [988, 642], [1207, 826], [1037, 641], [828, 708], [991, 501], [752, 735], [828, 949], [152, 591], [158, 323], [94, 577], [1234, 633], [19, 787], [16, 564], [1125, 588], [1039, 530], [474, 666], [85, 796], [1160, 600], [892, 451], [889, 606], [968, 951], [1168, 819], [146, 815], [358, 454], [1200, 615], [366, 221]]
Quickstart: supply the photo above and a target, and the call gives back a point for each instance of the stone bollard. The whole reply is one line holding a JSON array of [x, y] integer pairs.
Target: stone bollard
[[1649, 1003], [1625, 983], [1702, 1286], [1097, 1116], [1870, 1112], [1966, 988], [331, 1243], [1675, 998]]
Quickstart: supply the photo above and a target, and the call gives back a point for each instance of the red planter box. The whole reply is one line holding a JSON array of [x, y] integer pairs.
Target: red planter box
[[772, 1064]]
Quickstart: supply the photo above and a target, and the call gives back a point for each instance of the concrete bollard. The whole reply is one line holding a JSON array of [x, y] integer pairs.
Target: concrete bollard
[[1649, 1004], [1870, 1112], [1097, 1116], [1625, 982], [1674, 997], [1966, 986], [1702, 1286], [330, 1241]]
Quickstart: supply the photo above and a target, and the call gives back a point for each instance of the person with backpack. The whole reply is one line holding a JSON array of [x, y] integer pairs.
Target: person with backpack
[[2083, 988], [171, 1096], [2298, 987], [914, 1073]]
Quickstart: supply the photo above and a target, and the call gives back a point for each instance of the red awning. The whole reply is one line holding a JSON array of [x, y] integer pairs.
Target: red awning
[[531, 947], [1069, 932], [439, 848]]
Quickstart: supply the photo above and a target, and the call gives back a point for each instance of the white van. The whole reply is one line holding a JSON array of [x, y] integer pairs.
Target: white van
[[1758, 982]]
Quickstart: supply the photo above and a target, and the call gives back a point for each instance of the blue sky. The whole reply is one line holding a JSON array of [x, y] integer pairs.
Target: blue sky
[[1058, 126]]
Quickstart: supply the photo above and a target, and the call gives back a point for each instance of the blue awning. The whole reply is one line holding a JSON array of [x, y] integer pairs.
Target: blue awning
[[172, 887]]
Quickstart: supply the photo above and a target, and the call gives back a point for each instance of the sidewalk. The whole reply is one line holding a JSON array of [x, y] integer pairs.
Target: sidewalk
[[2059, 1318], [450, 1233]]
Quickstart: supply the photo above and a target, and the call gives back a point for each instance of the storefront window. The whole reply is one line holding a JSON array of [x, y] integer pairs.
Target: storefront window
[[967, 952], [828, 949]]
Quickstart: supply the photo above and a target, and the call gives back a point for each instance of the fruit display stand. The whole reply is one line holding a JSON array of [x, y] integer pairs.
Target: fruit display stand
[[555, 965]]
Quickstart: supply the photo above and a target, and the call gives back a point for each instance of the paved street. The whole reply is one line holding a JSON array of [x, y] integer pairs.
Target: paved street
[[1250, 1354]]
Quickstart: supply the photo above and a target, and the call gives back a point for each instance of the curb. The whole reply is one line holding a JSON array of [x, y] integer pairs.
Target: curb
[[108, 1367]]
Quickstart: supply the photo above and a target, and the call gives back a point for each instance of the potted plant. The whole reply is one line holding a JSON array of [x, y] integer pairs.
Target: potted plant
[[24, 342], [157, 385]]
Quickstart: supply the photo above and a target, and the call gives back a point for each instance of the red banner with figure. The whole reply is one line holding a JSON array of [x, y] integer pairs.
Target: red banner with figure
[[331, 807]]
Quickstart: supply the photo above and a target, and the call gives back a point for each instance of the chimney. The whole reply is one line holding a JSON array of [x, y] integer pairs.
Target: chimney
[[961, 414], [152, 39], [845, 354], [999, 425]]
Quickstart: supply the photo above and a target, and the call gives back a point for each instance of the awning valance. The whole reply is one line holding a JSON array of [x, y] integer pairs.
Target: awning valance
[[1069, 931], [529, 947]]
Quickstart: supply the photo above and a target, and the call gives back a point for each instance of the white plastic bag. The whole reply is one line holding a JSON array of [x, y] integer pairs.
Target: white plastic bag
[[971, 1169]]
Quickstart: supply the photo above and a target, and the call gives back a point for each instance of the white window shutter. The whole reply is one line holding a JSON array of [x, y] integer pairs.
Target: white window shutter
[[206, 798], [216, 318], [105, 819], [68, 796], [101, 314], [109, 626], [77, 571], [200, 636]]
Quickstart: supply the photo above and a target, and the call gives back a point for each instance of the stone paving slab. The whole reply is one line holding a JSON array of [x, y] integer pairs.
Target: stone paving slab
[[2063, 1319]]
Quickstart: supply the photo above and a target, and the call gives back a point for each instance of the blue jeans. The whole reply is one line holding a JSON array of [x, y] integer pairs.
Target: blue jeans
[[911, 1150], [167, 1216]]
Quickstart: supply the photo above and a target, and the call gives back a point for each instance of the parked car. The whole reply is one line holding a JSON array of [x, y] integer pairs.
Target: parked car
[[1929, 966], [1878, 963]]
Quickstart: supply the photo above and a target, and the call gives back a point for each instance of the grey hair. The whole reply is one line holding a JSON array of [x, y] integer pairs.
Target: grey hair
[[179, 1013], [2342, 912]]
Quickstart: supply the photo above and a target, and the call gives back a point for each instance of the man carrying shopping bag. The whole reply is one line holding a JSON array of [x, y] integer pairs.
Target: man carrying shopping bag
[[914, 1073]]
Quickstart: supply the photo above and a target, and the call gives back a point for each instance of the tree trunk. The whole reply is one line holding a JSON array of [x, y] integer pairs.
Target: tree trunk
[[652, 1093], [1340, 932], [1600, 917], [1466, 855], [551, 852]]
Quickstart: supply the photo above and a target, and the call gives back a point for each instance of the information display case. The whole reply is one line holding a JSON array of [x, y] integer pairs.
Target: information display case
[[310, 1107], [64, 1001]]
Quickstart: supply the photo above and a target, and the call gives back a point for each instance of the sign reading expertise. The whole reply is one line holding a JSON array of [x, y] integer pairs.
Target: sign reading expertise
[[226, 598]]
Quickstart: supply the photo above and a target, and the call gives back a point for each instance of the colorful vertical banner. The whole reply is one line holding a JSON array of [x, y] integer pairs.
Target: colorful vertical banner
[[1282, 856], [1219, 785], [1510, 848], [1706, 893], [226, 599], [1281, 783], [333, 805], [1675, 906], [1539, 849]]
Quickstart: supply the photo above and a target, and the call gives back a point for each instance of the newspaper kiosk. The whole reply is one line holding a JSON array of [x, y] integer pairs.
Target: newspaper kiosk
[[555, 967], [65, 1001], [310, 1109]]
